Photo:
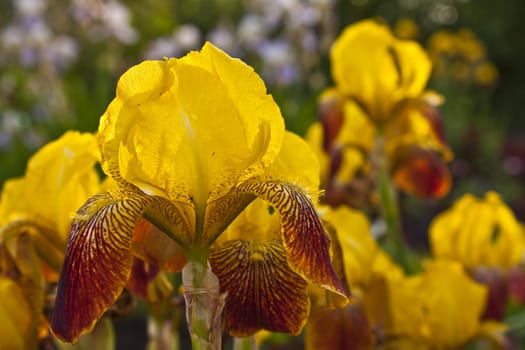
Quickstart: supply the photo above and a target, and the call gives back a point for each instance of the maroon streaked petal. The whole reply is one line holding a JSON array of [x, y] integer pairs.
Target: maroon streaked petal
[[153, 246], [422, 173], [220, 213], [263, 292], [141, 275], [304, 238], [341, 328], [98, 261]]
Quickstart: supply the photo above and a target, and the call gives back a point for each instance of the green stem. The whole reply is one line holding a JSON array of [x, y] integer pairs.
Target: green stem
[[248, 343], [204, 305], [389, 208], [390, 214]]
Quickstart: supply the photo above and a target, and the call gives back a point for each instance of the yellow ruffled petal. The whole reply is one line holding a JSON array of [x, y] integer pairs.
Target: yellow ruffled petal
[[478, 232], [201, 123], [58, 179], [440, 307], [296, 163], [17, 325], [378, 70], [358, 247], [314, 137]]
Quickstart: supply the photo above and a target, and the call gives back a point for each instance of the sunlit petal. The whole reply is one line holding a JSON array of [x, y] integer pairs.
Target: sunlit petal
[[210, 127]]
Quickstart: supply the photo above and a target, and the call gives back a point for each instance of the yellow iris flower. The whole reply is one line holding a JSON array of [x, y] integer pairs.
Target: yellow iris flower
[[364, 266], [345, 141], [478, 232], [190, 143], [379, 71], [35, 218], [16, 327], [378, 110], [439, 308]]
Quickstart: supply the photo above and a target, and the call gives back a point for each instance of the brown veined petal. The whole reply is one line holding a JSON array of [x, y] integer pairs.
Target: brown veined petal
[[152, 245], [98, 261], [304, 238], [141, 275], [263, 291], [422, 172], [341, 328], [220, 213]]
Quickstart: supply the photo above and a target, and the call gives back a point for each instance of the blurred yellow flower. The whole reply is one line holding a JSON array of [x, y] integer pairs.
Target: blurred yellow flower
[[57, 181], [378, 70], [486, 74], [190, 143], [16, 326], [462, 56], [414, 144], [406, 28], [478, 232], [439, 308], [35, 218]]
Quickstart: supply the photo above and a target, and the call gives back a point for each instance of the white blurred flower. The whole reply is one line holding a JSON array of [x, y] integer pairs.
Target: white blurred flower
[[276, 52], [11, 37], [116, 18], [62, 51], [11, 121], [30, 8], [188, 36], [251, 30], [37, 32], [162, 47], [223, 37]]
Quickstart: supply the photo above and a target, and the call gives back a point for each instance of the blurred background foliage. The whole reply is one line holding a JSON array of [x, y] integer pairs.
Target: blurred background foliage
[[59, 62]]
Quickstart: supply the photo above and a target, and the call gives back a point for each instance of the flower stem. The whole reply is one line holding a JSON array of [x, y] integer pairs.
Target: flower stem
[[248, 343], [393, 225], [389, 207], [204, 305]]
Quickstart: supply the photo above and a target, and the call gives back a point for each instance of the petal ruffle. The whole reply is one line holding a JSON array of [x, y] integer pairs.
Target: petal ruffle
[[207, 114], [304, 238], [98, 261], [263, 292]]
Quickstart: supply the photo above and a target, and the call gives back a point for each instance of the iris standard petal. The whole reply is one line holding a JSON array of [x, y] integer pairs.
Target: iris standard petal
[[378, 70], [263, 291], [210, 128], [98, 261], [57, 181]]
